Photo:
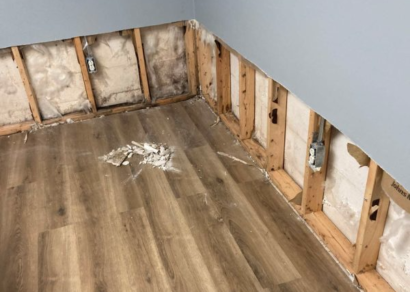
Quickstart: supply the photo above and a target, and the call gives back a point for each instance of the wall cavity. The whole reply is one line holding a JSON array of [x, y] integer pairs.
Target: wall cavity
[[345, 187], [14, 106], [164, 48], [117, 79], [297, 128], [394, 258], [235, 84], [207, 48], [261, 108], [56, 78]]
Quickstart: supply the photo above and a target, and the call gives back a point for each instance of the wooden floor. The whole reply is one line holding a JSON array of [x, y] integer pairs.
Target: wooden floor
[[69, 222]]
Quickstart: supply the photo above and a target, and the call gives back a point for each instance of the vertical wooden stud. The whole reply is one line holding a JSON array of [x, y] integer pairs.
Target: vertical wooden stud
[[141, 63], [372, 221], [190, 48], [246, 101], [27, 85], [313, 186], [86, 78], [223, 72], [278, 99]]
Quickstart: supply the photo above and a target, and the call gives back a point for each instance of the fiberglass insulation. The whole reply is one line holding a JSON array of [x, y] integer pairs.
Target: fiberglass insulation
[[56, 78], [14, 106], [164, 49], [344, 188], [117, 79]]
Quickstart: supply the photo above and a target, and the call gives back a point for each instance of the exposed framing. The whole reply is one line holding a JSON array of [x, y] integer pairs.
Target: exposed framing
[[141, 63]]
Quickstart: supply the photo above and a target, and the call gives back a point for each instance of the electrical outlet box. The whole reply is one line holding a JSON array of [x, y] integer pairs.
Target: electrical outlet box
[[316, 155], [91, 67]]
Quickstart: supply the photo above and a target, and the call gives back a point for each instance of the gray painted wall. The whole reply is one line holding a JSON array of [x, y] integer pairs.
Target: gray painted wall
[[348, 60], [35, 21]]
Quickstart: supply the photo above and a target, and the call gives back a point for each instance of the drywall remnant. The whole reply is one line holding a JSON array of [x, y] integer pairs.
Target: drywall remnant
[[234, 158], [117, 79], [261, 108], [344, 188], [394, 257], [362, 158], [208, 66], [164, 49], [297, 126], [193, 23], [235, 84], [157, 155], [14, 106], [56, 78], [217, 121]]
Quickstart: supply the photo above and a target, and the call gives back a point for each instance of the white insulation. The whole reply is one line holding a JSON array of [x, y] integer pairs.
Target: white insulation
[[235, 84], [394, 258], [345, 187], [297, 127], [261, 108], [56, 78], [117, 79], [14, 106], [208, 41], [164, 48]]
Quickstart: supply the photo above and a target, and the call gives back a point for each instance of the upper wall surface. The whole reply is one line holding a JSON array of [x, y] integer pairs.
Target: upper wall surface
[[348, 60], [34, 21]]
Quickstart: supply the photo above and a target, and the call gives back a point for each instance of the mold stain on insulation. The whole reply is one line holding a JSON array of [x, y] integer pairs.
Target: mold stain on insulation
[[164, 49], [117, 79], [297, 128], [345, 186], [261, 108], [14, 106], [235, 85], [56, 78], [394, 257]]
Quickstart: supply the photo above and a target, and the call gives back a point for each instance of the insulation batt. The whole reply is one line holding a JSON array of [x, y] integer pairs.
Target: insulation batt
[[394, 258], [261, 108], [297, 126], [164, 48], [235, 85], [14, 106], [56, 78], [117, 79], [209, 41], [345, 187]]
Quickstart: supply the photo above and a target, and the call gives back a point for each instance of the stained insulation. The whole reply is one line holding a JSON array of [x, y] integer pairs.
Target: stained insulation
[[14, 106], [345, 187], [297, 126], [164, 49], [56, 78], [261, 108], [394, 258], [208, 67], [117, 79], [235, 85]]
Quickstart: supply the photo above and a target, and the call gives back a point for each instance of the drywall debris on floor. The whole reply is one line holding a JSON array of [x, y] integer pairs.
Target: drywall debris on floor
[[207, 48], [157, 155], [56, 78], [14, 106], [261, 108], [235, 84], [297, 128], [164, 49], [394, 257], [345, 186], [117, 79]]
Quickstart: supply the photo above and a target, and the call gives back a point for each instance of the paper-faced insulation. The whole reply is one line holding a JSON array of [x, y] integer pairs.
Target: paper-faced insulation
[[261, 108], [394, 257], [56, 78], [14, 106], [297, 126], [117, 79], [235, 85], [345, 186], [164, 49]]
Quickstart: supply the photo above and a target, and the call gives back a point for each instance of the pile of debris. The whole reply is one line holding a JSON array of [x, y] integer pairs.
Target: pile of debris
[[158, 155]]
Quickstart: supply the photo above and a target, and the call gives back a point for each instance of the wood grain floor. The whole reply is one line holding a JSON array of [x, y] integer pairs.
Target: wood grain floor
[[69, 222]]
